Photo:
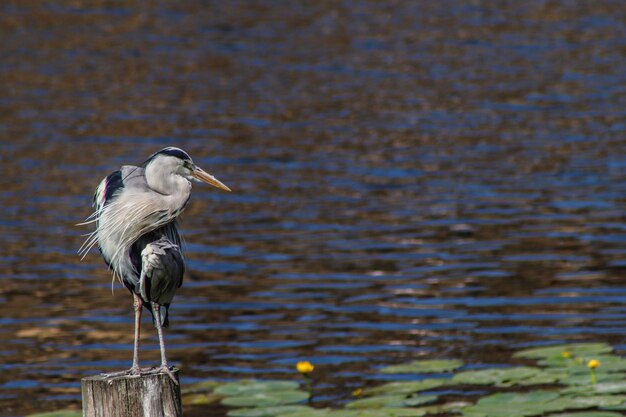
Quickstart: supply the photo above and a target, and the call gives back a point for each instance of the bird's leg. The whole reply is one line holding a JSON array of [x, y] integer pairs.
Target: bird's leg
[[137, 305], [134, 369], [157, 320]]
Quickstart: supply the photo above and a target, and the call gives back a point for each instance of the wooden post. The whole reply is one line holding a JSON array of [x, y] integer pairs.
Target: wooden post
[[153, 395]]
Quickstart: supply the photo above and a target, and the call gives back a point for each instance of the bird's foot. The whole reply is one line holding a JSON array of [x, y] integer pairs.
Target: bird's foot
[[135, 370], [147, 371], [127, 372], [165, 368]]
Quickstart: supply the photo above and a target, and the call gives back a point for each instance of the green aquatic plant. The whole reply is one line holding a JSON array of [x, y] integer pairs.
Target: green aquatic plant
[[559, 385], [386, 412], [512, 404], [305, 368], [502, 377], [424, 367], [593, 365], [201, 399], [406, 387], [536, 403], [611, 387], [253, 393], [252, 386], [59, 413], [270, 411], [556, 351], [266, 399], [395, 400], [587, 414]]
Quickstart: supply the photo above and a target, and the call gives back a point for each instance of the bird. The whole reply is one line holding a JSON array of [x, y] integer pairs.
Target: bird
[[136, 212]]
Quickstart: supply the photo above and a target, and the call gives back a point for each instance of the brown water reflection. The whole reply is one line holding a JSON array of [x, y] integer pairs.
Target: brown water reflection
[[410, 178]]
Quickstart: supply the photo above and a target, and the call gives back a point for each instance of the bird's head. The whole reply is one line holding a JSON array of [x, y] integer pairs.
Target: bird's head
[[175, 161]]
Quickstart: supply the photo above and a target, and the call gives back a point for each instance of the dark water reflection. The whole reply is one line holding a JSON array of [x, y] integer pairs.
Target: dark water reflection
[[440, 179]]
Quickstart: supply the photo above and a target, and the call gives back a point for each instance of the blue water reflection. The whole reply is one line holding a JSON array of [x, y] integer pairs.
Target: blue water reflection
[[409, 180]]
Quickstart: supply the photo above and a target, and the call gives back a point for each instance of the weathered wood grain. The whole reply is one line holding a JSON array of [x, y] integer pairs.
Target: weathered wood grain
[[153, 395]]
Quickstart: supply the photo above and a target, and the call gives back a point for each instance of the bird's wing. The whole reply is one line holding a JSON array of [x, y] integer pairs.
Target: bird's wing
[[162, 269], [128, 176], [108, 191]]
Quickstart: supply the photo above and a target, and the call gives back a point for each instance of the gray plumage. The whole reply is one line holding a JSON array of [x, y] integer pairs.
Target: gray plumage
[[137, 233], [162, 268]]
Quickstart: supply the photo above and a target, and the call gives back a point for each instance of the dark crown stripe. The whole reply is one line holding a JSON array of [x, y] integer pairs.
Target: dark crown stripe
[[178, 153], [169, 151]]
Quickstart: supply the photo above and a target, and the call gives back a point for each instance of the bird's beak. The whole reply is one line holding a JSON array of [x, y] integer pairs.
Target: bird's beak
[[200, 174]]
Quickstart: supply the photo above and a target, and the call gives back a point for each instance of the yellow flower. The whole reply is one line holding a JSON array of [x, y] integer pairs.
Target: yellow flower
[[305, 367], [593, 364], [566, 354], [357, 392]]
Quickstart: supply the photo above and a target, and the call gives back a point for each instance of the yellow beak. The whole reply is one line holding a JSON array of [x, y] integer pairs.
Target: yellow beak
[[200, 174]]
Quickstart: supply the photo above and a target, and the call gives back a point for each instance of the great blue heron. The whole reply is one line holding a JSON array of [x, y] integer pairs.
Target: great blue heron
[[137, 234]]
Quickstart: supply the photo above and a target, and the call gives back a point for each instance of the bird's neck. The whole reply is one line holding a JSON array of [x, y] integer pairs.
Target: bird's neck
[[174, 188]]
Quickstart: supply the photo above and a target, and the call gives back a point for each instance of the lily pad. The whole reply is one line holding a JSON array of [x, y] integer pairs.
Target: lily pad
[[251, 386], [619, 407], [584, 380], [540, 396], [415, 400], [608, 364], [266, 399], [321, 412], [201, 399], [391, 412], [268, 411], [524, 405], [376, 402], [59, 413], [579, 401], [381, 412], [556, 351], [390, 401], [588, 414], [424, 367], [611, 387], [606, 398], [541, 378], [453, 407], [398, 412], [532, 403], [407, 387], [498, 376], [203, 386]]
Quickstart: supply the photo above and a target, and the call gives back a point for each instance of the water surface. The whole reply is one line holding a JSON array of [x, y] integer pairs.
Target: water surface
[[410, 179]]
